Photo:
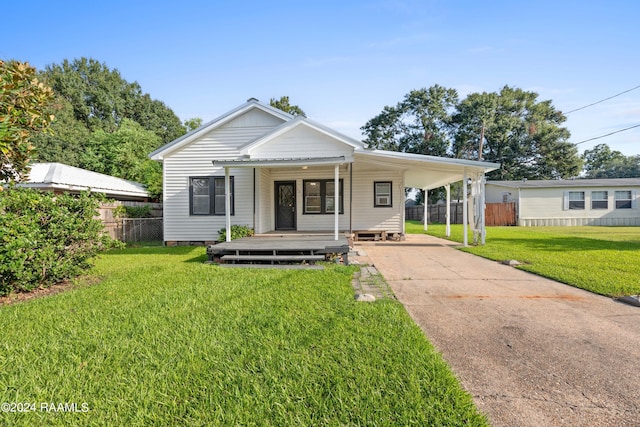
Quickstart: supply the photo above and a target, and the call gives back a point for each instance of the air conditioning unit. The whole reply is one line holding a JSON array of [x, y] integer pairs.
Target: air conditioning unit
[[382, 201]]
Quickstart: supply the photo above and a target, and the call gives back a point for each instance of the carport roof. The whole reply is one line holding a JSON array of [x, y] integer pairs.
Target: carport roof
[[426, 172]]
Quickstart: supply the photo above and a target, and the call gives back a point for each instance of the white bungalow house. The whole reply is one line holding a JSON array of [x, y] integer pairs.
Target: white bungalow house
[[606, 202], [261, 167]]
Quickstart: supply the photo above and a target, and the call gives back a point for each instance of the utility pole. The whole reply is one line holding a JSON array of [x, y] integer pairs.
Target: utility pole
[[481, 142]]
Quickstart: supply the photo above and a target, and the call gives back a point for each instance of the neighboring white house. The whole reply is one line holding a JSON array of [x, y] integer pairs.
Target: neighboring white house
[[290, 173], [58, 177], [570, 202]]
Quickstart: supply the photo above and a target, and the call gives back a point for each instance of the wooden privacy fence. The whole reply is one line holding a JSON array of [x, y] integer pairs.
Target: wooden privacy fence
[[437, 213], [500, 214], [495, 213]]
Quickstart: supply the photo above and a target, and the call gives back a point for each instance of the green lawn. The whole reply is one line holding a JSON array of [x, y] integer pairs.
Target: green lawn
[[604, 260], [159, 338]]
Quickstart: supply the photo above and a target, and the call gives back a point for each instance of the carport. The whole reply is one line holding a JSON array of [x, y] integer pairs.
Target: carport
[[430, 172]]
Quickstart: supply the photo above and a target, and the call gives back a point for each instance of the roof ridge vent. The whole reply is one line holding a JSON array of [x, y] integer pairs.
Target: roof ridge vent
[[253, 100]]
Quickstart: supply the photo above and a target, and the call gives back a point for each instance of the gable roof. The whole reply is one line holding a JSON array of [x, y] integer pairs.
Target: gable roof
[[185, 139], [61, 177], [295, 123], [559, 183]]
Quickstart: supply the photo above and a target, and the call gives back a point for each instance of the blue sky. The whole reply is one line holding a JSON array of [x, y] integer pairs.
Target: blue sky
[[343, 61]]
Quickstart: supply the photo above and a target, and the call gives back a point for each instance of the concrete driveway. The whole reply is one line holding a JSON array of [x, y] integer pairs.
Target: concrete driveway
[[531, 351]]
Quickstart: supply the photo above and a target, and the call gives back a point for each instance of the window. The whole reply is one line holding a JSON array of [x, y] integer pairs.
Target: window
[[382, 196], [319, 196], [599, 200], [576, 199], [207, 195], [623, 199]]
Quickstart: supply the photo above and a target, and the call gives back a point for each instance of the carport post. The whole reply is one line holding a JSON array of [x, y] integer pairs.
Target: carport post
[[447, 230], [483, 228], [465, 208], [426, 209]]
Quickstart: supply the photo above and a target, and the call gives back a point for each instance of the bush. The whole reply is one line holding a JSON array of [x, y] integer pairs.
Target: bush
[[46, 238], [124, 211], [237, 232]]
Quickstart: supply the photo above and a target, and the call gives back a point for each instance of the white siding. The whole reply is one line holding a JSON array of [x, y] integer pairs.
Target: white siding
[[546, 207], [302, 142], [496, 193], [196, 159], [368, 217], [265, 209], [308, 222]]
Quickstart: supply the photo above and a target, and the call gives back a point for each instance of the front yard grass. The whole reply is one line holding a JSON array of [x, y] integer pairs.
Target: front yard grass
[[603, 260], [160, 338]]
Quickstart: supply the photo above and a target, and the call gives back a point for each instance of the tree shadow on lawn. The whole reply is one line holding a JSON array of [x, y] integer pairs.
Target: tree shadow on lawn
[[568, 244], [159, 250]]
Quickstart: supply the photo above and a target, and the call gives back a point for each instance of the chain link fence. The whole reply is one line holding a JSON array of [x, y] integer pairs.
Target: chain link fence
[[136, 230]]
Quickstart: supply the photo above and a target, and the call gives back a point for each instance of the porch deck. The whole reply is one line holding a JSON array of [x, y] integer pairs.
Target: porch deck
[[277, 249]]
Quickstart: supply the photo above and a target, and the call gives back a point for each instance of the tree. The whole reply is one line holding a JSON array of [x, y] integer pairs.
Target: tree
[[602, 162], [123, 153], [521, 133], [99, 116], [66, 141], [23, 104], [193, 123], [101, 98], [510, 127], [420, 123], [284, 105]]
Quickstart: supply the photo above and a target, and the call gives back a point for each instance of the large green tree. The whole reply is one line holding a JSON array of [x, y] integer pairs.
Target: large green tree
[[123, 153], [510, 127], [105, 123], [23, 112], [516, 130], [420, 123], [101, 98], [602, 162]]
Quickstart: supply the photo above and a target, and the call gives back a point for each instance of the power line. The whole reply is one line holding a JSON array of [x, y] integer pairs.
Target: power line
[[602, 136], [602, 100]]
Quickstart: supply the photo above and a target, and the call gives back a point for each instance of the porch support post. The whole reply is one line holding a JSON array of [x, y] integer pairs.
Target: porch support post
[[426, 209], [336, 200], [465, 210], [447, 228], [227, 202]]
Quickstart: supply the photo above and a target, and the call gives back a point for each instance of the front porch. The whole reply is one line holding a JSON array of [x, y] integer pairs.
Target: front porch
[[280, 249]]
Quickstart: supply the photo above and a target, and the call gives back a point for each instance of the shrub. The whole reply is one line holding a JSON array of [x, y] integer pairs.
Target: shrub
[[123, 211], [46, 238], [237, 232]]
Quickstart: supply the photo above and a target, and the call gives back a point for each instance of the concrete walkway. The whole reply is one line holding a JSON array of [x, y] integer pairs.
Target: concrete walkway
[[531, 351]]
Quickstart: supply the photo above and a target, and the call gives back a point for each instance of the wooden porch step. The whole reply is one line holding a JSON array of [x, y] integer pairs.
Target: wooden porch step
[[272, 257]]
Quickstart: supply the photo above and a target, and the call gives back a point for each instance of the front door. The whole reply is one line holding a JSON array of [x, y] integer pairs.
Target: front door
[[285, 205]]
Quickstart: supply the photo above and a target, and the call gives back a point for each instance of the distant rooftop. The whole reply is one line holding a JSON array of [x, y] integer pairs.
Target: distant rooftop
[[61, 177], [555, 183]]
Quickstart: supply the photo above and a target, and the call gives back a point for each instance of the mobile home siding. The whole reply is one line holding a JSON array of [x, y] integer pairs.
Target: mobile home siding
[[547, 206]]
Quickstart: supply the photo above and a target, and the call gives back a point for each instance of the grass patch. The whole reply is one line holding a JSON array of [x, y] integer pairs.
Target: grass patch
[[165, 340], [603, 260]]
